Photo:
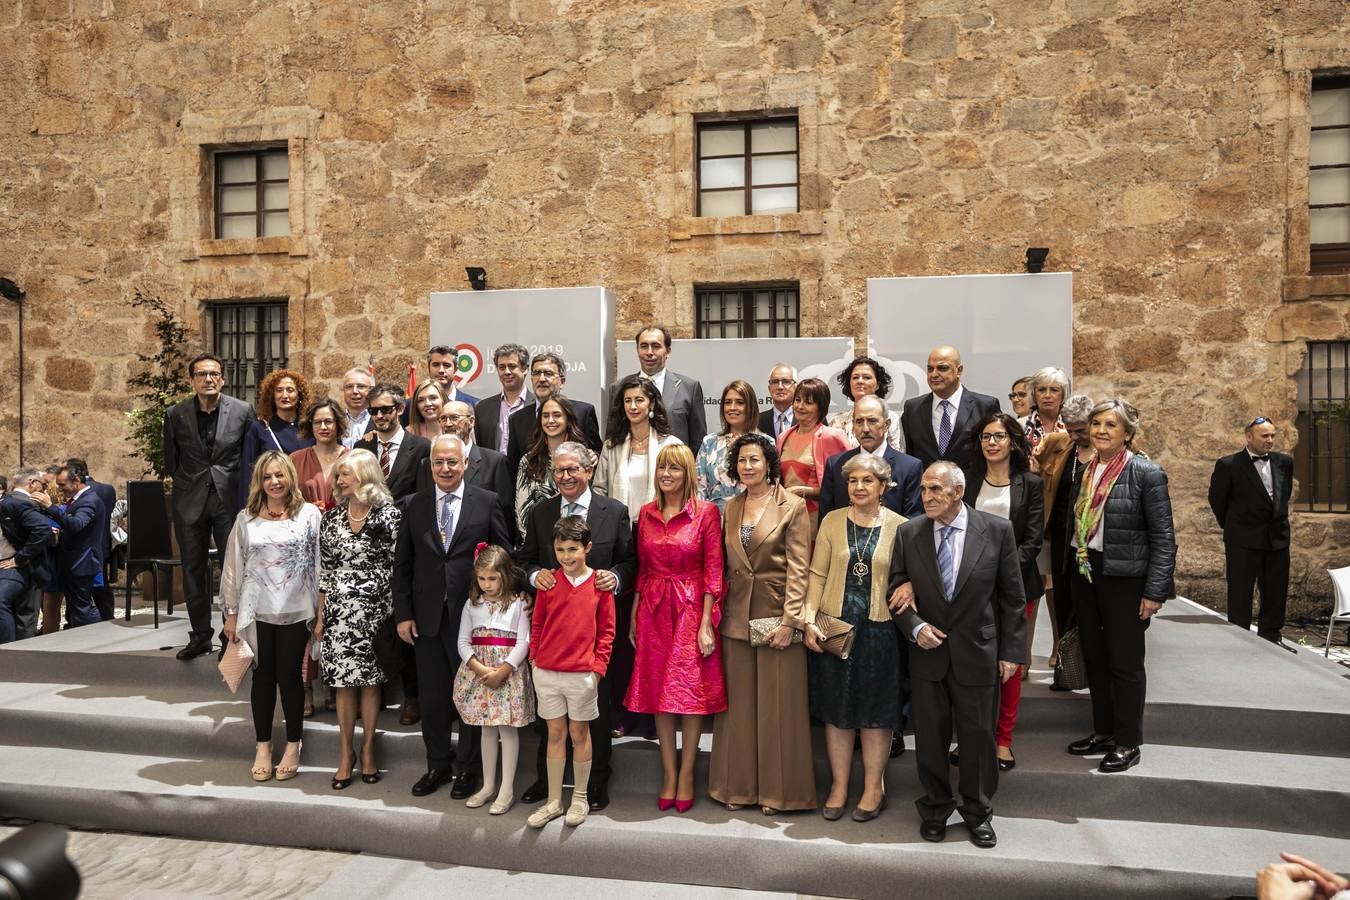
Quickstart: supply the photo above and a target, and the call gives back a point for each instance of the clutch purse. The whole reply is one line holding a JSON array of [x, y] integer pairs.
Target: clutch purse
[[760, 629], [839, 635], [237, 660]]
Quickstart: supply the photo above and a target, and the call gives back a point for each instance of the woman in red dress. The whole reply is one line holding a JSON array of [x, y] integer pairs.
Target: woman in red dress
[[677, 673], [805, 447]]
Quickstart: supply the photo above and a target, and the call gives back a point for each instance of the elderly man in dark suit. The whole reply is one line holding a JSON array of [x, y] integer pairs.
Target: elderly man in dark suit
[[25, 535], [779, 417], [433, 567], [870, 424], [956, 590], [203, 437], [548, 375], [682, 395], [613, 557], [402, 455], [84, 527], [1249, 494], [937, 424], [486, 468]]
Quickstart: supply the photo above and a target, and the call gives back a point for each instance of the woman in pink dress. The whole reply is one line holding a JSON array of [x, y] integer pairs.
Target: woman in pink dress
[[678, 669]]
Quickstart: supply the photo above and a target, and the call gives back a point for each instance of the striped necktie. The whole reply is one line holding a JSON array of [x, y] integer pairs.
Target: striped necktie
[[384, 458], [946, 568]]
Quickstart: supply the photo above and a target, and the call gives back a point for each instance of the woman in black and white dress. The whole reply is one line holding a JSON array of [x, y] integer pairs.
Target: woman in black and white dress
[[356, 553]]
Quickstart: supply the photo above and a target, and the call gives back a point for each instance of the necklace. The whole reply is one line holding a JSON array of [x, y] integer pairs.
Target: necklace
[[860, 567], [354, 518], [274, 515]]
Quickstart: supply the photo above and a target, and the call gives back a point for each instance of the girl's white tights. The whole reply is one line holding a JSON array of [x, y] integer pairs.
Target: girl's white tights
[[510, 743]]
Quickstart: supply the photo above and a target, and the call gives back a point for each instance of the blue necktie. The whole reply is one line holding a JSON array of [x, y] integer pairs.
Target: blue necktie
[[447, 522], [946, 568], [945, 427]]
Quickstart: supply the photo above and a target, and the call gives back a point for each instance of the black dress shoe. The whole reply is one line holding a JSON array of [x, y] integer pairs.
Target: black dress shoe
[[897, 746], [1092, 744], [430, 782], [535, 792], [1007, 765], [194, 649], [464, 786], [954, 757], [933, 831], [982, 835], [1119, 760], [598, 796]]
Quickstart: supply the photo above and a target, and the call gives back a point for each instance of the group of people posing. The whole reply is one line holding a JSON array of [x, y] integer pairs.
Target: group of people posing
[[861, 570]]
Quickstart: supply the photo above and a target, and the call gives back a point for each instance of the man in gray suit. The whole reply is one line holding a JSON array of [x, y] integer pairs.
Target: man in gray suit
[[682, 395], [202, 439], [956, 591]]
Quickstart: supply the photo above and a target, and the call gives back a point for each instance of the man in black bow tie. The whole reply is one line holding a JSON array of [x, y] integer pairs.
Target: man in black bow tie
[[1249, 493]]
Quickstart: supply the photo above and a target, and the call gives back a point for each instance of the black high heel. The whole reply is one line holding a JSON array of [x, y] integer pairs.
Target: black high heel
[[369, 777], [341, 784]]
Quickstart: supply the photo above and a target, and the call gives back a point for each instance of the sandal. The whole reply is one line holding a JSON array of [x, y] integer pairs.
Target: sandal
[[263, 772], [286, 773]]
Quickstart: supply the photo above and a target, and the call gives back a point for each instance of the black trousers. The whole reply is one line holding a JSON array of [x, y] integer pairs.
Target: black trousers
[[80, 608], [937, 706], [1266, 570], [1112, 636], [601, 739], [280, 651], [437, 662], [103, 601], [194, 545]]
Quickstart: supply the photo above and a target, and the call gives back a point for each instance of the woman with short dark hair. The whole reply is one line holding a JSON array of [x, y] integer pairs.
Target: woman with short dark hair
[[861, 377], [806, 446]]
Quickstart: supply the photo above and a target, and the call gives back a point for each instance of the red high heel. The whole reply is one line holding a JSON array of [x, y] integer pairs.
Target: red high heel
[[683, 806], [665, 803]]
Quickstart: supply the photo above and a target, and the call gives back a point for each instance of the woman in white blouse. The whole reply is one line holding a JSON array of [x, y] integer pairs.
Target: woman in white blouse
[[268, 591], [637, 429]]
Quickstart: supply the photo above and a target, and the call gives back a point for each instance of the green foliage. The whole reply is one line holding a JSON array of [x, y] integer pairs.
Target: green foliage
[[162, 383]]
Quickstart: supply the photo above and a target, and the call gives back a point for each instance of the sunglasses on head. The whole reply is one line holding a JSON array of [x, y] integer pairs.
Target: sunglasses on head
[[1260, 420]]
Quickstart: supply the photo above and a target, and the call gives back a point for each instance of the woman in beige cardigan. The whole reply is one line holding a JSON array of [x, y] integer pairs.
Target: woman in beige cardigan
[[761, 751], [848, 581], [636, 430]]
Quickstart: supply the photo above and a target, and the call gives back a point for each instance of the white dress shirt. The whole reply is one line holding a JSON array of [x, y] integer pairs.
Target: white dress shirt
[[394, 444], [456, 509], [659, 379], [955, 401], [1263, 470], [957, 543], [357, 426], [783, 419]]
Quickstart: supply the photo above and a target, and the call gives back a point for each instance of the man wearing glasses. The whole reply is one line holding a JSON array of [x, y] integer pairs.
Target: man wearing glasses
[[402, 455], [1249, 493], [548, 374], [203, 437], [356, 385], [486, 468], [779, 418]]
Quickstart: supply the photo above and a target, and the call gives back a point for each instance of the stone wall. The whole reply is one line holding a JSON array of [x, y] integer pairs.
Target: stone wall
[[1159, 149]]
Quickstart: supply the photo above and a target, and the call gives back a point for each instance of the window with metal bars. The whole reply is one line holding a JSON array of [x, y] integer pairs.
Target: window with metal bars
[[747, 167], [756, 310], [1329, 176], [1322, 460], [253, 193], [250, 338]]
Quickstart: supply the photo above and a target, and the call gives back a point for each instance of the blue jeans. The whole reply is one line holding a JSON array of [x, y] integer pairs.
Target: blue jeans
[[13, 590]]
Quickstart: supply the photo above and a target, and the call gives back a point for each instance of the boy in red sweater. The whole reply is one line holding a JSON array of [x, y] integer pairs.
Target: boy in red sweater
[[571, 635]]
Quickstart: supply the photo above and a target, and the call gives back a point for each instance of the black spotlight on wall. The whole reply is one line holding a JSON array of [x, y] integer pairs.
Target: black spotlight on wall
[[11, 291], [477, 277], [1036, 259]]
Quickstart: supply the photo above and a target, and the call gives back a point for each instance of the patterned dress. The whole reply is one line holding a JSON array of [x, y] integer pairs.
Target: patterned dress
[[714, 484], [530, 492], [358, 601], [678, 562], [495, 636]]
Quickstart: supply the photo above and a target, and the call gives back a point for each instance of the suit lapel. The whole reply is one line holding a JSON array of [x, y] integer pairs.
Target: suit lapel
[[190, 409], [926, 422], [928, 554], [965, 415], [1248, 465], [734, 519], [471, 471], [766, 525], [971, 549]]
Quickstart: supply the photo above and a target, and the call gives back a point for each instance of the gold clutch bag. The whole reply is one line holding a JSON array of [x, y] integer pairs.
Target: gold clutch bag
[[760, 629], [237, 660], [839, 635]]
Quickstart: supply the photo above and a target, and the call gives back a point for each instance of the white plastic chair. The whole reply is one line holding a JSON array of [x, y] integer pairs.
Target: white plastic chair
[[1340, 581]]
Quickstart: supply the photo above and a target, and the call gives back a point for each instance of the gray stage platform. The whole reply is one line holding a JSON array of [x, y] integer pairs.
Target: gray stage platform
[[1248, 753]]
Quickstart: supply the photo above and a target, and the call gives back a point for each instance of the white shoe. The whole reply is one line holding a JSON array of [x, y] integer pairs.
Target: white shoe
[[483, 796], [577, 812], [545, 814], [503, 804]]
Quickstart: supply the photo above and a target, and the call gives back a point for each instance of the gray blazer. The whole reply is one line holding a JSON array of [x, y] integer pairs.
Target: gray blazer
[[187, 464], [683, 397]]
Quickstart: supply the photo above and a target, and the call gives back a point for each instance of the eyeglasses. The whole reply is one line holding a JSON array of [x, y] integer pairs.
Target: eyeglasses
[[445, 463], [997, 437], [1018, 395], [569, 472], [545, 373], [452, 419], [781, 382], [211, 375], [382, 410]]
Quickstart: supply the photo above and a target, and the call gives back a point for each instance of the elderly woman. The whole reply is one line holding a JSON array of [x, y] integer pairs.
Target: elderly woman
[[761, 751], [807, 446], [637, 429], [848, 581], [424, 410], [1049, 388], [269, 589], [282, 396], [1061, 458], [863, 376], [356, 552], [737, 412], [555, 422], [1124, 555]]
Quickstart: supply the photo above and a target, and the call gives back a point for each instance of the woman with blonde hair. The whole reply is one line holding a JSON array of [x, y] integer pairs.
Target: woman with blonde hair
[[424, 410], [268, 592], [282, 396], [356, 553]]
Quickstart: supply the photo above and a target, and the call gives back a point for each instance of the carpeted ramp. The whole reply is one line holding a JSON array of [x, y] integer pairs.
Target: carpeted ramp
[[1247, 754]]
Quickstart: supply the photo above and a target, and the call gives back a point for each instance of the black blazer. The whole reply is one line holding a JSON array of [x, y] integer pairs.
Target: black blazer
[[1249, 517], [185, 459], [901, 497], [986, 620], [29, 532], [1026, 502], [108, 494], [487, 470], [612, 545], [917, 422], [521, 424], [766, 422], [414, 455], [428, 583], [485, 416], [84, 531]]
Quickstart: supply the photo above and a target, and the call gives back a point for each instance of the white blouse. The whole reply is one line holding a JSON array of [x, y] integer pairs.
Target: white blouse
[[515, 618], [271, 571], [996, 501]]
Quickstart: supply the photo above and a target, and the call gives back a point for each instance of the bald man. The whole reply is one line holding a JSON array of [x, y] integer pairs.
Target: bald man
[[937, 425]]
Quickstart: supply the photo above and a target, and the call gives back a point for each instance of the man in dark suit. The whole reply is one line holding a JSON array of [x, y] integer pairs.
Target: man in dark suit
[[486, 468], [402, 455], [84, 531], [203, 437], [957, 593], [492, 414], [25, 535], [433, 567], [870, 426], [103, 595], [613, 557], [443, 366], [779, 417], [1249, 493], [682, 395], [548, 374], [937, 425]]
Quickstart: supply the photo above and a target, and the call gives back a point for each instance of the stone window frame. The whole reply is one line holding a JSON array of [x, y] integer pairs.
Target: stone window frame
[[211, 324], [1322, 438], [747, 157], [192, 186], [259, 184], [1330, 258], [747, 317]]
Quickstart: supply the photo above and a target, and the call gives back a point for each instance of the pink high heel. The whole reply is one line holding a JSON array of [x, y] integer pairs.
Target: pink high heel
[[665, 803], [683, 806]]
